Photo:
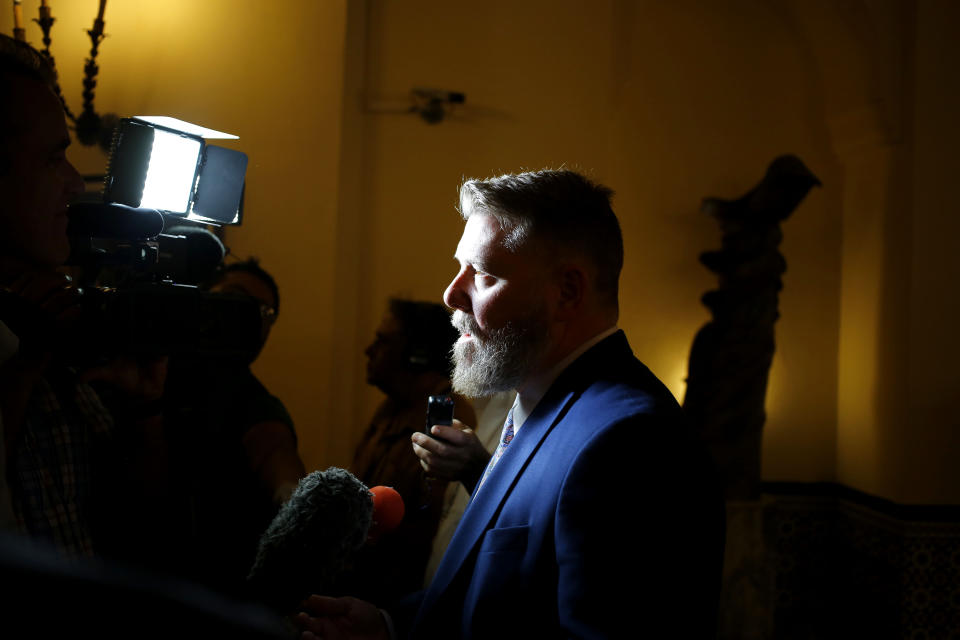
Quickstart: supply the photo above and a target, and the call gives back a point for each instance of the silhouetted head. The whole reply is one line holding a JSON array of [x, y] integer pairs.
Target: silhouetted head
[[249, 278], [413, 340], [36, 179]]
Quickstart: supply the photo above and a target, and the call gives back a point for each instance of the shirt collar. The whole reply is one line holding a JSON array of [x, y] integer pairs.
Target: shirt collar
[[537, 386]]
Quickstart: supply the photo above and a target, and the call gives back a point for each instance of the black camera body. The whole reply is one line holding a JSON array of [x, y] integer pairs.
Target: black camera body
[[140, 293], [157, 319]]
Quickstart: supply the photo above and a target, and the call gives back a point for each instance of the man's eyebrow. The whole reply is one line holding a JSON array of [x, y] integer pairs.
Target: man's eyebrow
[[480, 265], [476, 262]]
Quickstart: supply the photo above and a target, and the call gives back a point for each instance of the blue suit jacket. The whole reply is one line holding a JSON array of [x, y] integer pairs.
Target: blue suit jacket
[[601, 520]]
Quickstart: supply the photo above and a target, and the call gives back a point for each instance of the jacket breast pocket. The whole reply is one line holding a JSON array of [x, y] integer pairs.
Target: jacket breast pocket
[[504, 540]]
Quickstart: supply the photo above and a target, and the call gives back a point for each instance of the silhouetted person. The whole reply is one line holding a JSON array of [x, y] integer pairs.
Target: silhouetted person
[[81, 479], [87, 479]]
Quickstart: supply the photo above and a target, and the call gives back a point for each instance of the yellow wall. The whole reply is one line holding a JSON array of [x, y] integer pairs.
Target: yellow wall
[[350, 200], [897, 430], [927, 443]]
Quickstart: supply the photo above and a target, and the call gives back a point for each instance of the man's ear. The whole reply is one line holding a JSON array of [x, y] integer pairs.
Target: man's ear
[[571, 282]]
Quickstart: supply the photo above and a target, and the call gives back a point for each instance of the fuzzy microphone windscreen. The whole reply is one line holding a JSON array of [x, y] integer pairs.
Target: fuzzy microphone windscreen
[[316, 531]]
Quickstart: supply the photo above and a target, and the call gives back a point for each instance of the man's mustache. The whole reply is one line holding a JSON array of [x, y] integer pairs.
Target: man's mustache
[[465, 323]]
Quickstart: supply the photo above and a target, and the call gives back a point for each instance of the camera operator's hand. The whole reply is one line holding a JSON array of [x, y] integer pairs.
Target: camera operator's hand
[[453, 453]]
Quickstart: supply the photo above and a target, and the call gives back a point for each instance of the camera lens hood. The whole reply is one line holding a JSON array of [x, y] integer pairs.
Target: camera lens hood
[[111, 220]]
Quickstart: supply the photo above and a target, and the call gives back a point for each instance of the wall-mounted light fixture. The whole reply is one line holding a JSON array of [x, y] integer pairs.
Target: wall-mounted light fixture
[[433, 105]]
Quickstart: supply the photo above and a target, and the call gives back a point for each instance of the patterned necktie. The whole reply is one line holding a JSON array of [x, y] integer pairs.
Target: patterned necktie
[[504, 441]]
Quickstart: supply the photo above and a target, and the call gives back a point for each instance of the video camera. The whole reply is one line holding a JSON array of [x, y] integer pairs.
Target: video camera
[[141, 251]]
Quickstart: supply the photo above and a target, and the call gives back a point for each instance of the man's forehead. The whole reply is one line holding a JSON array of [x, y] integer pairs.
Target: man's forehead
[[482, 238], [35, 112]]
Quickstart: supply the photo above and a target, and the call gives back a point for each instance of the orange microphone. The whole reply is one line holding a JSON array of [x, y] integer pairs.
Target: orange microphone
[[388, 510]]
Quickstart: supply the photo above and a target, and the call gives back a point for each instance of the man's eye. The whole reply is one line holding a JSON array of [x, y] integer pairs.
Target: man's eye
[[483, 278]]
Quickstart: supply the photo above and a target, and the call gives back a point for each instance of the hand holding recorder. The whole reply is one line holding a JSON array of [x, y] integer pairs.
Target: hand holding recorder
[[449, 449]]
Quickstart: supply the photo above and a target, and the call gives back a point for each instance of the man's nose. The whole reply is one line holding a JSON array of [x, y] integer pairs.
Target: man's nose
[[455, 296]]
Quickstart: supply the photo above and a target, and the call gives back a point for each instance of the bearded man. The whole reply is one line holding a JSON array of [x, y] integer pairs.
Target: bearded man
[[598, 515]]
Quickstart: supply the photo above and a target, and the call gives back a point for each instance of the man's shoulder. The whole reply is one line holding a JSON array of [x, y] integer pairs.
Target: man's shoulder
[[614, 400], [609, 374], [633, 411]]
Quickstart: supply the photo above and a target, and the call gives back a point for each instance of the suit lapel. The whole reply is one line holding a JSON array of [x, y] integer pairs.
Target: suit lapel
[[486, 501]]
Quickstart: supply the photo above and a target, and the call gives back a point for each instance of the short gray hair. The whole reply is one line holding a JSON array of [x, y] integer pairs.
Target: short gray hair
[[560, 208]]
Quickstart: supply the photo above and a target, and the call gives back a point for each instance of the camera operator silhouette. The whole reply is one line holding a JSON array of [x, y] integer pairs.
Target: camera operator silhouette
[[84, 483], [72, 453]]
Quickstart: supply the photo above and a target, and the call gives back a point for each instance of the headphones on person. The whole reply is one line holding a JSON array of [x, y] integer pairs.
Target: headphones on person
[[416, 357]]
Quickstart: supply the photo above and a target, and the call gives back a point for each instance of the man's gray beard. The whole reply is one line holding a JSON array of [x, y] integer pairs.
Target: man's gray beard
[[500, 361]]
